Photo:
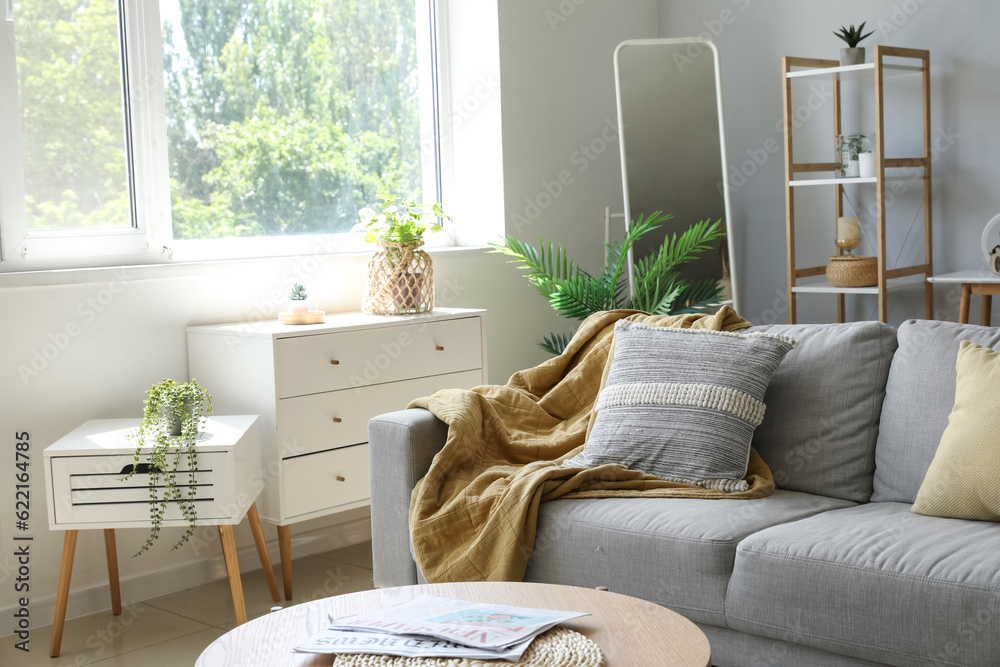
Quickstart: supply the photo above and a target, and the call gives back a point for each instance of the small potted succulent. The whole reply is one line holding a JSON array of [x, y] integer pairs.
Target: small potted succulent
[[172, 414], [298, 299], [400, 275], [853, 54]]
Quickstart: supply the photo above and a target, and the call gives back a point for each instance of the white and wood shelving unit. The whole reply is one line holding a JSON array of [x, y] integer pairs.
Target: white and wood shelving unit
[[812, 279]]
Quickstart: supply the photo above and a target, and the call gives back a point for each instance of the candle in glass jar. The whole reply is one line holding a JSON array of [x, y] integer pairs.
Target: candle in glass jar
[[848, 229]]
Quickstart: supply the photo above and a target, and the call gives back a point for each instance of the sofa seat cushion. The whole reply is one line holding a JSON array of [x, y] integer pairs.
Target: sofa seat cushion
[[875, 582], [677, 552]]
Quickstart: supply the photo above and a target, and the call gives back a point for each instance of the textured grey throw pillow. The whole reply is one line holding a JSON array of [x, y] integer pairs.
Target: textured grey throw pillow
[[682, 404]]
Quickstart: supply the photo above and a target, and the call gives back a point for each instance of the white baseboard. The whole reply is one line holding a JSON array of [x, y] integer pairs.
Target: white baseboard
[[83, 601]]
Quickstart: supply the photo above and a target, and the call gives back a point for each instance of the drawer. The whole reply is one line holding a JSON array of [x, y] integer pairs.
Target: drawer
[[90, 489], [332, 361], [340, 418], [311, 482]]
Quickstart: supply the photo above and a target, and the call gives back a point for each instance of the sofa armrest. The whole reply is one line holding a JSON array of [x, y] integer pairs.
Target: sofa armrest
[[401, 446]]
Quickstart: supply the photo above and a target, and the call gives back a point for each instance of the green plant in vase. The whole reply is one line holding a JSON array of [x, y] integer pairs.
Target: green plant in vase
[[659, 287], [853, 54], [172, 414], [298, 299], [401, 221], [400, 275], [848, 148]]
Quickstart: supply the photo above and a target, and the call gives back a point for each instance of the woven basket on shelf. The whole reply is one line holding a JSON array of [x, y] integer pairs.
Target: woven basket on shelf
[[852, 271], [400, 280]]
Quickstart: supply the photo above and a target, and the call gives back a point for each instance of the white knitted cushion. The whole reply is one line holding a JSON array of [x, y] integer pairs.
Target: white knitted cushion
[[682, 404]]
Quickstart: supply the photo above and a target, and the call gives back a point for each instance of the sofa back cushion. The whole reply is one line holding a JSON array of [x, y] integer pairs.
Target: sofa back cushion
[[919, 397], [823, 407]]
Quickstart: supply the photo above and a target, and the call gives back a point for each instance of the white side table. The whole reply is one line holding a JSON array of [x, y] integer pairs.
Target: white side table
[[83, 475], [973, 281]]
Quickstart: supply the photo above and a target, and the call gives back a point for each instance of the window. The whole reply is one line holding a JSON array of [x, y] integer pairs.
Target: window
[[65, 179], [209, 128]]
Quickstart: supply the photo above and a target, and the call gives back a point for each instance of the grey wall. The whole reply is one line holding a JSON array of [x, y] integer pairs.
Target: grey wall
[[560, 138], [753, 35]]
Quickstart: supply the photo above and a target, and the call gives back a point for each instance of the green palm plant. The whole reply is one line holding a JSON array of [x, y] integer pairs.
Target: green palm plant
[[659, 287]]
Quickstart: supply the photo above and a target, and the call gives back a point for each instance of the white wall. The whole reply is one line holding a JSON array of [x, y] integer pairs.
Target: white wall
[[126, 328], [965, 68]]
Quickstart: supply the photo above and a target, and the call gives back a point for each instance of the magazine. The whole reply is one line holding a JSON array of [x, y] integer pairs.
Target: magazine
[[410, 646], [475, 624]]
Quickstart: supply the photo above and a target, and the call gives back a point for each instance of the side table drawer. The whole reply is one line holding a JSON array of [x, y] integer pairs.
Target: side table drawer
[[304, 364], [312, 484], [340, 418], [90, 489]]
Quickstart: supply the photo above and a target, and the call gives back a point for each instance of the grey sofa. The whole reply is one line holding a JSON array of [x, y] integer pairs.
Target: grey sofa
[[831, 569]]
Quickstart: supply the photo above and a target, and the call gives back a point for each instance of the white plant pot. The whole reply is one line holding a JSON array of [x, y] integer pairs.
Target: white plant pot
[[866, 165], [298, 305], [174, 419]]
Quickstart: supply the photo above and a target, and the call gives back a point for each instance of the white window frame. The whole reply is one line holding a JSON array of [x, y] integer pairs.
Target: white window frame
[[24, 248], [151, 240]]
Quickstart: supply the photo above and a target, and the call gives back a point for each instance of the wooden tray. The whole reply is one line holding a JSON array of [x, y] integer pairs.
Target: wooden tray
[[312, 317]]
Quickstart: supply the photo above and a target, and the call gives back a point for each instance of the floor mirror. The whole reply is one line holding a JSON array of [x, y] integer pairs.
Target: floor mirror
[[673, 146]]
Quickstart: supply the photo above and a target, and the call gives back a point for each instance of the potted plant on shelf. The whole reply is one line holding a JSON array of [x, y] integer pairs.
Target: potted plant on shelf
[[300, 310], [853, 54], [400, 275], [659, 287], [165, 438], [851, 150]]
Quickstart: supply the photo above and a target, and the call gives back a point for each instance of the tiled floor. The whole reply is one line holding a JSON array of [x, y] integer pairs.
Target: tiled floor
[[174, 629]]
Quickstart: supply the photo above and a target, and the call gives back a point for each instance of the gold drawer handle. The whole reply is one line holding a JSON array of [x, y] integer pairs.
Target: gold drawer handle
[[334, 362], [337, 420], [439, 348], [340, 478]]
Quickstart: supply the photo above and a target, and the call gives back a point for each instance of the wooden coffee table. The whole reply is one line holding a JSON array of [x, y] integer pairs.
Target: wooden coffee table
[[631, 632]]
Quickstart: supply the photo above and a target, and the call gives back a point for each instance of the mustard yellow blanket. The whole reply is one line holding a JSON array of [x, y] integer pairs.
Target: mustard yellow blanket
[[473, 517]]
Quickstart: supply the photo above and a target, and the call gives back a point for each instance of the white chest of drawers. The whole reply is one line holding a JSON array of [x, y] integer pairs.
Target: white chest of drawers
[[316, 386]]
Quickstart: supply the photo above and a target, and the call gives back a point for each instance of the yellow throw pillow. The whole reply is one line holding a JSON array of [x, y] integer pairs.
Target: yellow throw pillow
[[963, 481]]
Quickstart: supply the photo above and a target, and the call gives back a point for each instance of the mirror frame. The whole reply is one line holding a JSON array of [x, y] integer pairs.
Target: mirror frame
[[730, 245]]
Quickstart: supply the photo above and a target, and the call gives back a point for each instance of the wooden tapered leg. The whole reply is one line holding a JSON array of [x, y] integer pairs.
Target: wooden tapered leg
[[113, 584], [65, 574], [987, 310], [285, 551], [963, 308], [233, 568], [265, 558]]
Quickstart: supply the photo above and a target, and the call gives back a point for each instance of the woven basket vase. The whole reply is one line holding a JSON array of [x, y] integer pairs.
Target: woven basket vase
[[852, 271], [400, 280]]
